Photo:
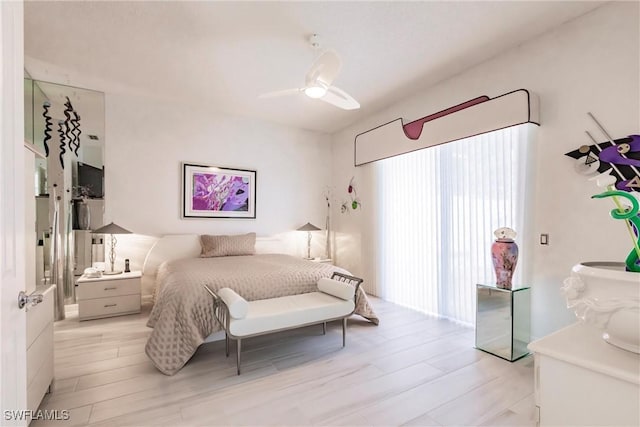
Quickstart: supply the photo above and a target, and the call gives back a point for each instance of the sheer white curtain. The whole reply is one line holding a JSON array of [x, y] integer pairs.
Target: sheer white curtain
[[437, 210]]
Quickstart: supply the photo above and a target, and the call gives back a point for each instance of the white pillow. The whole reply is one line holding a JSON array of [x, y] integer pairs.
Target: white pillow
[[238, 306], [338, 289]]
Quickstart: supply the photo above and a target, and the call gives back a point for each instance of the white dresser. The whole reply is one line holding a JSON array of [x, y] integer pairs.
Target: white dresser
[[108, 296], [581, 380]]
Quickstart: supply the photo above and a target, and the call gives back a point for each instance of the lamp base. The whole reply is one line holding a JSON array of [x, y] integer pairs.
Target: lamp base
[[109, 273]]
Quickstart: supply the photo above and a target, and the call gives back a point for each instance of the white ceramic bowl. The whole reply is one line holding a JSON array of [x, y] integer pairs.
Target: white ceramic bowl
[[606, 296]]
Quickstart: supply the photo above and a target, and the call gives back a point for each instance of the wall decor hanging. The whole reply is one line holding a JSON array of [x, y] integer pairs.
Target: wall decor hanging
[[616, 162], [327, 226], [354, 200], [218, 192], [63, 141], [47, 126], [72, 126], [618, 157], [68, 130], [474, 117], [605, 294]]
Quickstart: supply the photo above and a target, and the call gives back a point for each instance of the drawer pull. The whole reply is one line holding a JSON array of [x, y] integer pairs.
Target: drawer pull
[[110, 305], [110, 289]]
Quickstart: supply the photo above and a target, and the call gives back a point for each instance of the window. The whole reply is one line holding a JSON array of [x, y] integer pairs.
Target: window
[[437, 210]]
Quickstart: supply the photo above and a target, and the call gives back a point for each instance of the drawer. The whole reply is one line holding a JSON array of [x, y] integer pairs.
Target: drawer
[[107, 288], [107, 307]]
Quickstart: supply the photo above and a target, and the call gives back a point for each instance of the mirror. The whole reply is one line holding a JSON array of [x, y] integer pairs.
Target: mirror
[[67, 124]]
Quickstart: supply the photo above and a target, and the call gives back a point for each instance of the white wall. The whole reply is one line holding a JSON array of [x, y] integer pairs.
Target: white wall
[[147, 138], [589, 64], [147, 141]]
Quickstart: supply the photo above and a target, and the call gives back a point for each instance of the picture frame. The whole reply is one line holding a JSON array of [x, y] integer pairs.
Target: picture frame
[[218, 192]]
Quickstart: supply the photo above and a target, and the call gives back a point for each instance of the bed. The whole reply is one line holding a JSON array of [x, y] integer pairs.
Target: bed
[[182, 316]]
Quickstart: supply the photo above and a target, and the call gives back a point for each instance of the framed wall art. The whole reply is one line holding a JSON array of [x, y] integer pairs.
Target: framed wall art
[[218, 192]]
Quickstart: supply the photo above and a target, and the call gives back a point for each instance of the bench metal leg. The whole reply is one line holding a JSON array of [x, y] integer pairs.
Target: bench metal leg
[[226, 343], [324, 328], [344, 331], [238, 348]]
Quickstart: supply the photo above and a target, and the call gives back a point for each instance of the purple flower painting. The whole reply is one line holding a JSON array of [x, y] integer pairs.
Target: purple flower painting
[[218, 192]]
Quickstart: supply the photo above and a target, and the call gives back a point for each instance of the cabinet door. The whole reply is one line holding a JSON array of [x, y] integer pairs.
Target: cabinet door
[[571, 395]]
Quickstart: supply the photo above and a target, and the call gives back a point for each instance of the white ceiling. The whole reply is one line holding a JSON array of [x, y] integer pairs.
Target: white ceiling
[[225, 54]]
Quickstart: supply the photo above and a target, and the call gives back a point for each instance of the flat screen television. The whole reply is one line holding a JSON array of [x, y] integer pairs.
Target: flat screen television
[[92, 178]]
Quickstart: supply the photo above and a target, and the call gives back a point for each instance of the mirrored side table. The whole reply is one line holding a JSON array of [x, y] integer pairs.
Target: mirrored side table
[[503, 318]]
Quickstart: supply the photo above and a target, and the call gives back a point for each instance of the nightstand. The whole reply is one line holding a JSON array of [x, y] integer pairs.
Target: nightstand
[[108, 296]]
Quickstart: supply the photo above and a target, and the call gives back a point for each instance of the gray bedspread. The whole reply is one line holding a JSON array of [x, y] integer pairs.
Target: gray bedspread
[[182, 316]]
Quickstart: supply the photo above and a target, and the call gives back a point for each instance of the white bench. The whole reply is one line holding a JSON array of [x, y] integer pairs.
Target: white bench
[[335, 300]]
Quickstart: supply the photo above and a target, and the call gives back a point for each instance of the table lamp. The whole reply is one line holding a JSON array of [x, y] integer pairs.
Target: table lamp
[[308, 227], [112, 229]]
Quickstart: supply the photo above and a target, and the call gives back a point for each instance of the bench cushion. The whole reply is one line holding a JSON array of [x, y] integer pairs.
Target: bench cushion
[[238, 306], [336, 288], [288, 312]]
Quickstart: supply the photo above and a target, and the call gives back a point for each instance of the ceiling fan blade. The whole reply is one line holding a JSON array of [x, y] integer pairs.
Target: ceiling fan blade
[[325, 68], [341, 99], [278, 93]]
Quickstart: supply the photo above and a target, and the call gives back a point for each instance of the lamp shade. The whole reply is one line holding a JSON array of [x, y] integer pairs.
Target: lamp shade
[[111, 228], [308, 227]]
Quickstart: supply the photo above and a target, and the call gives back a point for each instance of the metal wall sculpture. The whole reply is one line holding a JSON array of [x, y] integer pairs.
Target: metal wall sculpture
[[68, 130]]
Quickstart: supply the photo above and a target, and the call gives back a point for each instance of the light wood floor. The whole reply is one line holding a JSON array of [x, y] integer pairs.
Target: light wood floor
[[411, 370]]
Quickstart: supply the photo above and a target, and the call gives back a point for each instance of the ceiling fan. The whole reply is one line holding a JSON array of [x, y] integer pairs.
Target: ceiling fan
[[318, 81]]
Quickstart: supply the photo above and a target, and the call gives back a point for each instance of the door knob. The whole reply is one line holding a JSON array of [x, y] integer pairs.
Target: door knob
[[24, 299]]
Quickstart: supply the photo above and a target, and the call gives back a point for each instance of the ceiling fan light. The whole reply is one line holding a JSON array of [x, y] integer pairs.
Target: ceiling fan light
[[315, 91]]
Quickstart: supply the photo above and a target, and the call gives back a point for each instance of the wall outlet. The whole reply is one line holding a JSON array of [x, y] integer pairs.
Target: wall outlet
[[544, 239]]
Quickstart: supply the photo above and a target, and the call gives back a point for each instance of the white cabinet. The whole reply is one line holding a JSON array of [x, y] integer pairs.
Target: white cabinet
[[581, 380], [109, 295], [40, 346]]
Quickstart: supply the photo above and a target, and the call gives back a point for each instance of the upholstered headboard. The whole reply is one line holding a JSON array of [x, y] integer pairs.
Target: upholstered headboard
[[170, 247], [179, 246]]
